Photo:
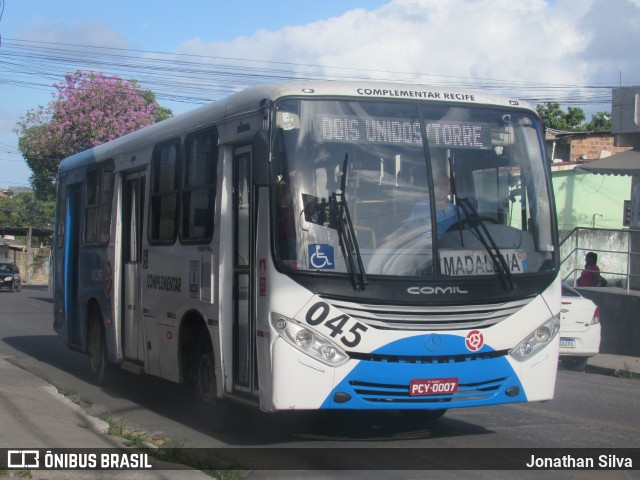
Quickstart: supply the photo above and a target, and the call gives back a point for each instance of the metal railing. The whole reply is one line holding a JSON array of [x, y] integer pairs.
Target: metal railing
[[618, 255]]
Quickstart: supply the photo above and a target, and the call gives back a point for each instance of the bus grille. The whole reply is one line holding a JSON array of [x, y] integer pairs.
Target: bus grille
[[390, 393], [418, 317], [426, 360]]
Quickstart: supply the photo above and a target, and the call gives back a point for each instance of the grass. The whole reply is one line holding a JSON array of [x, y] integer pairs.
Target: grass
[[118, 428], [171, 450], [627, 373]]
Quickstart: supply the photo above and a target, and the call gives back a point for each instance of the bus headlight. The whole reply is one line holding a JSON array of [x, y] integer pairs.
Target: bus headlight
[[304, 339], [537, 340], [308, 341]]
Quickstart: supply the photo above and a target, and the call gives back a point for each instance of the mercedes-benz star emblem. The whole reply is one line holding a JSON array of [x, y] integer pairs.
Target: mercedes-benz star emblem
[[432, 342]]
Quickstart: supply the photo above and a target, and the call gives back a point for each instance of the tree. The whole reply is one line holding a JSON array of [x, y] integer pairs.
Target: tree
[[571, 121], [554, 117], [600, 122], [88, 109], [21, 210], [162, 113]]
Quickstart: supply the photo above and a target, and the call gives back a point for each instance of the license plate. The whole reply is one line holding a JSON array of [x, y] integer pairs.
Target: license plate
[[433, 386], [567, 342]]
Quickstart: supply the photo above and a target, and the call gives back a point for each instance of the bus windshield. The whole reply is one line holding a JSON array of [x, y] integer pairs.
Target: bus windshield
[[384, 188]]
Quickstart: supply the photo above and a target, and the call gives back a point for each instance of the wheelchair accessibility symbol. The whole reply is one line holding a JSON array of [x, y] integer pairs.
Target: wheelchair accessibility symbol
[[320, 257]]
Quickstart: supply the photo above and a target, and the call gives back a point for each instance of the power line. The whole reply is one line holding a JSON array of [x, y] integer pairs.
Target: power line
[[200, 79]]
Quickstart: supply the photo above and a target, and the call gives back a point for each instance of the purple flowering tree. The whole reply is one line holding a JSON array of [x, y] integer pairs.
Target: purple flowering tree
[[87, 109]]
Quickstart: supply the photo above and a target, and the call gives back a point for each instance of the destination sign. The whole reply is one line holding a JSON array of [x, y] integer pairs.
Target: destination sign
[[445, 134], [478, 262]]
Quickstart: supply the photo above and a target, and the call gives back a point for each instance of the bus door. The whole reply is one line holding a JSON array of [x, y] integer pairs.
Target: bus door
[[72, 237], [132, 216], [244, 323]]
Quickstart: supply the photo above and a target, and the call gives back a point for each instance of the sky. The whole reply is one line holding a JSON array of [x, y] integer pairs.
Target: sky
[[195, 51]]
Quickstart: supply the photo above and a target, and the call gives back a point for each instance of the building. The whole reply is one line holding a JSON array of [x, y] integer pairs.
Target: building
[[586, 200], [9, 249], [583, 199], [578, 147], [625, 163]]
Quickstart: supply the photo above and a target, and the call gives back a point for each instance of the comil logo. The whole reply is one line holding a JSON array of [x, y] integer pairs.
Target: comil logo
[[434, 290], [23, 459]]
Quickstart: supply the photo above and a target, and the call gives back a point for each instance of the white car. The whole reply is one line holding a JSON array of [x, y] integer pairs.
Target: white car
[[579, 329]]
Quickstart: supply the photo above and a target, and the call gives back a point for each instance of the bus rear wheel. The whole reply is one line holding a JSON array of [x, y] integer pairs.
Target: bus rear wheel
[[101, 369], [205, 390]]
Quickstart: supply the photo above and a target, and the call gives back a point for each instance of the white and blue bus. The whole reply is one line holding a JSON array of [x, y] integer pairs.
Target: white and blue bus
[[319, 245]]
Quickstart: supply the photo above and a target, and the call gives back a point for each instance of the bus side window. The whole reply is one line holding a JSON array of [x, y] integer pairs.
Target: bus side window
[[61, 211], [164, 192], [199, 186], [97, 214]]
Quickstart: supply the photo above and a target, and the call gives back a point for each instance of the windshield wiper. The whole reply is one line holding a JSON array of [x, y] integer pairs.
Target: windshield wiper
[[476, 222], [346, 232]]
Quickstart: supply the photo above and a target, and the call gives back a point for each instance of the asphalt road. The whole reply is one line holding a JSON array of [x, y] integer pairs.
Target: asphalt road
[[589, 410]]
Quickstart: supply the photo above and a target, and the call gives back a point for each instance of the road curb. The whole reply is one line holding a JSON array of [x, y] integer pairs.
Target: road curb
[[95, 424]]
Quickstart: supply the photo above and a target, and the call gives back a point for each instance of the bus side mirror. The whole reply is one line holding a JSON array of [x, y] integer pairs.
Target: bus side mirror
[[260, 159]]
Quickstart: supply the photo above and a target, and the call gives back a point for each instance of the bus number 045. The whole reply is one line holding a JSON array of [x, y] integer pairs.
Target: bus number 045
[[318, 315]]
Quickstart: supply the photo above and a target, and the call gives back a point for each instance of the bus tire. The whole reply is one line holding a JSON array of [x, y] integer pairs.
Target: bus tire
[[205, 390], [423, 415], [576, 364], [101, 369]]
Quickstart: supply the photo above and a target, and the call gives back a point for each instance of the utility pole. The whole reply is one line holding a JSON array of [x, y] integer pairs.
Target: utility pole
[[29, 234], [27, 274]]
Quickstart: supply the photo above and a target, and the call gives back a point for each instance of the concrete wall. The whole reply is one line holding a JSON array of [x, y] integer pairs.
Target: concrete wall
[[625, 116], [34, 266], [619, 318], [612, 247]]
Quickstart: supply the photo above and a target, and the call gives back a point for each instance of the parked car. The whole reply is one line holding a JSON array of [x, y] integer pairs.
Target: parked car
[[10, 277], [579, 329]]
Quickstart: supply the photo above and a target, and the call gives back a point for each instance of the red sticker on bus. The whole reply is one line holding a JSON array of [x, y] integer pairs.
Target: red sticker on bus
[[475, 340]]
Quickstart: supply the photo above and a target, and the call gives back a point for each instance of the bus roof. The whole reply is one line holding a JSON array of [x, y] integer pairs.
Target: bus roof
[[250, 100], [373, 89]]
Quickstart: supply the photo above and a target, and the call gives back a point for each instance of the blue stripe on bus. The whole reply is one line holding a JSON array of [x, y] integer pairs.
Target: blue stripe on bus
[[68, 266], [383, 383]]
